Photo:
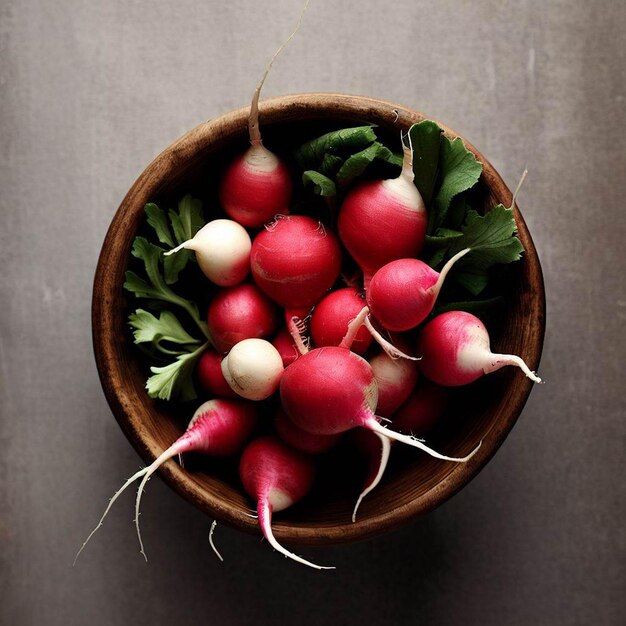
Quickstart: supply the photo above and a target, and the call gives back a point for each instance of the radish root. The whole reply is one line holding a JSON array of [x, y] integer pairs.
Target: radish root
[[253, 119], [213, 526], [384, 459], [500, 360], [265, 520], [116, 495], [373, 424]]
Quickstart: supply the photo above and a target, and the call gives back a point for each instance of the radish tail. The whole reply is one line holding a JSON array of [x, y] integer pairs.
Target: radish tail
[[297, 328], [496, 361], [131, 480], [519, 186], [172, 451], [353, 328], [436, 288], [384, 459], [265, 520], [374, 425], [186, 244], [388, 347], [219, 556], [253, 119]]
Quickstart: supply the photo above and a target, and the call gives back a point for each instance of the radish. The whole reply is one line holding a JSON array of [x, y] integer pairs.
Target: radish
[[402, 293], [239, 313], [332, 390], [300, 439], [284, 343], [222, 250], [455, 351], [257, 184], [209, 372], [422, 410], [332, 316], [295, 261], [253, 369], [217, 428], [383, 220], [277, 477], [396, 379]]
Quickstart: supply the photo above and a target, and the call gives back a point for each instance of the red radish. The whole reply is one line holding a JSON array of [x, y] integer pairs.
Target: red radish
[[332, 390], [239, 313], [209, 371], [300, 439], [396, 379], [455, 351], [283, 342], [222, 250], [375, 448], [257, 184], [402, 293], [277, 477], [422, 410], [383, 220], [295, 261], [253, 369], [332, 316], [217, 428]]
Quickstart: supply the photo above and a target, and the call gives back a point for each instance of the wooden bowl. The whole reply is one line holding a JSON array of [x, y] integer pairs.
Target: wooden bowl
[[416, 483]]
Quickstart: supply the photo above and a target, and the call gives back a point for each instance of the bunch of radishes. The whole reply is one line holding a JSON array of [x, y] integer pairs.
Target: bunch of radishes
[[284, 330]]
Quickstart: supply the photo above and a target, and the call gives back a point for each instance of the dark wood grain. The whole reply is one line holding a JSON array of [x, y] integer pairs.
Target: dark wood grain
[[415, 488]]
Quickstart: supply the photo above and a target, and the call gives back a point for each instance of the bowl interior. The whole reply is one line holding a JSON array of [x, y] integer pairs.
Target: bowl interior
[[414, 482]]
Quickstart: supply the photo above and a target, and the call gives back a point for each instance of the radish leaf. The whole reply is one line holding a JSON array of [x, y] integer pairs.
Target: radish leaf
[[426, 140]]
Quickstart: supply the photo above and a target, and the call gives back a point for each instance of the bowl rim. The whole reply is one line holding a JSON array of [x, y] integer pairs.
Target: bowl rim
[[296, 107]]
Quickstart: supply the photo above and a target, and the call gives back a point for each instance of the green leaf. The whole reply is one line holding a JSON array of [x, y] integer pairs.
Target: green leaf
[[322, 185], [150, 329], [175, 379], [457, 212], [459, 171], [356, 164], [443, 237], [426, 140], [330, 165], [343, 141], [437, 257], [492, 241], [158, 221]]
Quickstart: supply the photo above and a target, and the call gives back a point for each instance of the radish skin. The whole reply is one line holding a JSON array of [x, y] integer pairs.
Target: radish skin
[[396, 380], [331, 319], [295, 261], [300, 439], [455, 351], [222, 250], [277, 477], [383, 220], [421, 412], [402, 293], [209, 372], [217, 428], [284, 343], [332, 390], [239, 313], [253, 369]]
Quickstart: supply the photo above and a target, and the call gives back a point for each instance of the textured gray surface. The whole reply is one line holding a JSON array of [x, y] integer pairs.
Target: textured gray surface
[[92, 91]]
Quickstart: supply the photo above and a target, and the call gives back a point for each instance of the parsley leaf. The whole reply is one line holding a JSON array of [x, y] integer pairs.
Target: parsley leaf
[[157, 219], [150, 329]]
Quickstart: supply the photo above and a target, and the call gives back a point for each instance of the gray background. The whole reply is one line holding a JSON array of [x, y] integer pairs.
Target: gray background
[[92, 91]]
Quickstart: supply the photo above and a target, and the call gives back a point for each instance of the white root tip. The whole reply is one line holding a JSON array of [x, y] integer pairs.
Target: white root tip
[[384, 459], [265, 520], [172, 451], [298, 329], [219, 556], [116, 495], [500, 360], [519, 186], [374, 425], [388, 347], [436, 288], [188, 245]]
